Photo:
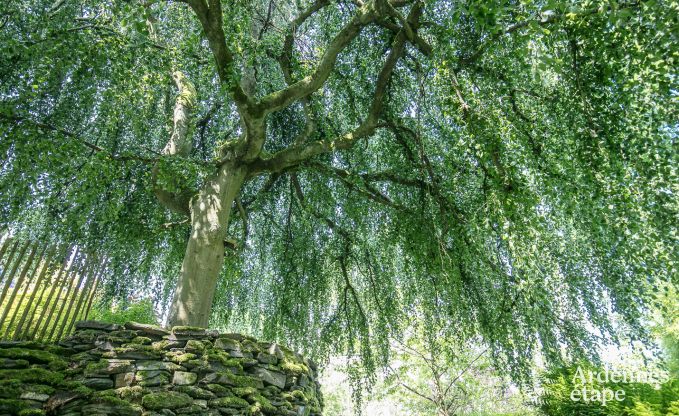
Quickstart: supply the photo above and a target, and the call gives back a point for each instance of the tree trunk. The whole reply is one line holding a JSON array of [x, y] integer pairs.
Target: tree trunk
[[203, 260]]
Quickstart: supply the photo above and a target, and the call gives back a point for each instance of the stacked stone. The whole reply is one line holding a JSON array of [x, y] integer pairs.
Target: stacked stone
[[31, 373], [139, 369]]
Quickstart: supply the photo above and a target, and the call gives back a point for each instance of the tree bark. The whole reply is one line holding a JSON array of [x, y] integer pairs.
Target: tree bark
[[203, 260]]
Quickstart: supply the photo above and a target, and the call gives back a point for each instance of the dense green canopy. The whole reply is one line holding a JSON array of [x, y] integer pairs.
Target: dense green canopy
[[520, 183]]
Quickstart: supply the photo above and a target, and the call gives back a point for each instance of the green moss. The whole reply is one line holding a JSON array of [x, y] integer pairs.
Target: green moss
[[234, 402], [59, 351], [38, 388], [95, 367], [133, 348], [104, 393], [141, 340], [218, 389], [114, 401], [249, 346], [152, 377], [33, 375], [299, 395], [132, 393], [197, 363], [181, 357], [13, 406], [34, 356], [10, 388], [195, 345], [123, 334], [76, 387], [12, 363], [244, 391], [166, 400], [32, 412], [294, 368], [224, 358], [261, 403], [243, 381], [113, 339], [160, 345], [196, 392], [135, 351], [87, 336]]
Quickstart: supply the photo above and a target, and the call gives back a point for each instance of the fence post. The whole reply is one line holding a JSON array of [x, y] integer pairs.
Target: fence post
[[85, 271], [26, 285], [13, 271], [28, 331], [67, 271], [5, 244], [84, 293], [46, 262], [17, 285], [93, 292]]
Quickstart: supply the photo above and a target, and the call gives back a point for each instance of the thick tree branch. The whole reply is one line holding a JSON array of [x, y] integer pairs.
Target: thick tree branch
[[211, 18], [178, 145], [311, 83], [286, 56], [296, 154], [284, 61]]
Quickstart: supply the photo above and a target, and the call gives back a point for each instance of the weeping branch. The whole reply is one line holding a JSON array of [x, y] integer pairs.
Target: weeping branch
[[76, 138], [302, 201]]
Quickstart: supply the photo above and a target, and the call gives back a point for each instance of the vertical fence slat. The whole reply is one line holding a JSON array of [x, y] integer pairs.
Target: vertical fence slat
[[93, 292], [13, 271], [26, 284], [83, 292], [70, 287], [5, 244], [83, 272], [59, 285], [17, 285], [46, 262], [29, 331]]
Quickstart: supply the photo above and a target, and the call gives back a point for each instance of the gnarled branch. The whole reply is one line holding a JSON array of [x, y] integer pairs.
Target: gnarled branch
[[296, 154]]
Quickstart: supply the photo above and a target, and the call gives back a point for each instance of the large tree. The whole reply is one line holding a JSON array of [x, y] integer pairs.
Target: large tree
[[328, 167]]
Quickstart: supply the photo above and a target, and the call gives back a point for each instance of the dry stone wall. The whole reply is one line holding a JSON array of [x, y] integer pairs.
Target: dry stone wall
[[136, 369]]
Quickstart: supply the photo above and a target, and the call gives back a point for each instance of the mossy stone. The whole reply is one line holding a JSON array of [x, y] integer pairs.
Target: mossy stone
[[218, 389], [195, 346], [130, 394], [33, 375], [137, 352], [261, 403], [32, 412], [141, 340], [244, 391], [294, 368], [34, 357], [166, 400], [231, 401], [12, 406], [10, 363], [196, 392], [180, 357]]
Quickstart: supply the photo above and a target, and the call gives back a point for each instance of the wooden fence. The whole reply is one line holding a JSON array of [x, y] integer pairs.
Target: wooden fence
[[44, 289]]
